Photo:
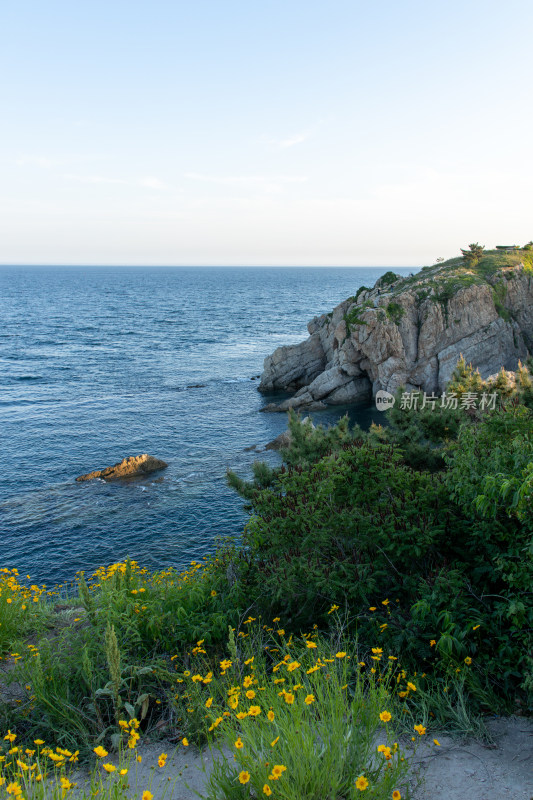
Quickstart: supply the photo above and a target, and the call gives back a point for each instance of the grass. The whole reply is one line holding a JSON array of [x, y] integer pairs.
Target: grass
[[310, 702], [136, 651]]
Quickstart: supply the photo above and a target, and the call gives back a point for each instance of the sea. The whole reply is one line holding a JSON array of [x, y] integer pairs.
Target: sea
[[100, 363]]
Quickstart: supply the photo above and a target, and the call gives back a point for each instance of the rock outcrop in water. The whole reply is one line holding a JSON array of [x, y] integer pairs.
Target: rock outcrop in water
[[411, 332], [134, 465]]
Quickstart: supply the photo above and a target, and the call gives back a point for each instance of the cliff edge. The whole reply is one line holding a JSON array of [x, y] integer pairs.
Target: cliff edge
[[411, 332]]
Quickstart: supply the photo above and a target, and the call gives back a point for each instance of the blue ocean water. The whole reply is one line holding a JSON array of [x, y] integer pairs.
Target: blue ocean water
[[101, 363]]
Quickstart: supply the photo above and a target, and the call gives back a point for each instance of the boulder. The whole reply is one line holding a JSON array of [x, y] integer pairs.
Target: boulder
[[134, 465]]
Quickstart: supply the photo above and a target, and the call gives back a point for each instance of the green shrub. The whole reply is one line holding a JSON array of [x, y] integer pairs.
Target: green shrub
[[395, 312], [388, 278]]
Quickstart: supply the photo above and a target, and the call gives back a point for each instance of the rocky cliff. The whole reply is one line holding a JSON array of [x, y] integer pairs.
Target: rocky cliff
[[411, 332]]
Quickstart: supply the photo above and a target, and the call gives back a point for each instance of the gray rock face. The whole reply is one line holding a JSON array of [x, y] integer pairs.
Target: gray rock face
[[134, 465], [293, 366], [412, 335]]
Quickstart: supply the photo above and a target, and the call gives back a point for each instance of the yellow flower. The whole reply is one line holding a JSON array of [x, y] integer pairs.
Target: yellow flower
[[244, 777], [147, 795], [213, 593], [309, 699], [109, 767], [476, 627], [468, 661], [281, 632], [185, 741], [139, 759], [277, 772], [385, 602], [289, 698], [123, 771], [333, 608], [341, 654], [40, 741], [10, 737], [432, 642], [242, 715], [250, 694], [233, 701], [420, 729], [162, 760], [132, 741], [385, 716], [254, 711], [100, 752], [396, 795], [276, 740], [270, 716], [238, 744], [361, 783], [292, 666], [248, 680], [411, 686], [209, 702], [372, 608], [436, 741], [311, 645], [267, 790]]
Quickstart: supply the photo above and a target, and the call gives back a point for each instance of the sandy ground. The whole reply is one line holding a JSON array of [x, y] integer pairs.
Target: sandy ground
[[473, 771], [457, 770]]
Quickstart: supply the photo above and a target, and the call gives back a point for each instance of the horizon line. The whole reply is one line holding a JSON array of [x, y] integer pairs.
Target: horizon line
[[216, 266]]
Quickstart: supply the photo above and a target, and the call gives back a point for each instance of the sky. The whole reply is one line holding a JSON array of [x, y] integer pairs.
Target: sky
[[263, 132]]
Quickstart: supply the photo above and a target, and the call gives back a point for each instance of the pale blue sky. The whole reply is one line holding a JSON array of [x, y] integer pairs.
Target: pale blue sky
[[232, 132]]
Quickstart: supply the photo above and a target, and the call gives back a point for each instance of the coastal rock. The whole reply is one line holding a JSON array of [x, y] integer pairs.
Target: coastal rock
[[284, 439], [410, 332], [134, 465], [293, 366]]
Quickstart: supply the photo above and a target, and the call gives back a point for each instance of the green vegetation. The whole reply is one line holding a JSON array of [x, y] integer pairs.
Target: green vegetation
[[353, 316], [473, 254], [382, 586], [395, 312], [401, 515], [388, 278]]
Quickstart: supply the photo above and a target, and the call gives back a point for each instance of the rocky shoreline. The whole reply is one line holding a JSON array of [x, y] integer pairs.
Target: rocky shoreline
[[410, 332]]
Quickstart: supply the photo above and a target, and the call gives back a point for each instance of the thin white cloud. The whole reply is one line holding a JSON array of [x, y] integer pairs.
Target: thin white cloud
[[34, 161], [145, 183], [268, 184], [290, 141], [152, 183], [240, 180], [95, 179]]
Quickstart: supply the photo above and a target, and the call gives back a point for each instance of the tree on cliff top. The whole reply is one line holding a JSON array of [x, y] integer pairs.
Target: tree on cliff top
[[474, 253]]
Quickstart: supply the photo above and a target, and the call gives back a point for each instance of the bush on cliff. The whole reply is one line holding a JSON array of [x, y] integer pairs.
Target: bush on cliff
[[437, 563]]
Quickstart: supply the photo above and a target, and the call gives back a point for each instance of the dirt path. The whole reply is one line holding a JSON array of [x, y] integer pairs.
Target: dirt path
[[457, 770], [473, 771]]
